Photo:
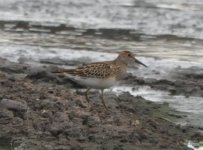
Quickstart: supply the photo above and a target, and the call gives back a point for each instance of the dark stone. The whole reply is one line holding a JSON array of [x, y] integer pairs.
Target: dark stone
[[91, 121], [13, 105], [5, 116]]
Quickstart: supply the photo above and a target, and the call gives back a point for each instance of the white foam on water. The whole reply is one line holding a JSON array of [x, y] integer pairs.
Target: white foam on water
[[191, 145], [118, 14], [193, 106], [34, 53], [157, 68], [144, 91]]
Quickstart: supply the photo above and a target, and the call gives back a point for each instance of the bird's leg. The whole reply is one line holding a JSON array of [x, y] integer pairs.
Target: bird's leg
[[102, 98], [86, 95]]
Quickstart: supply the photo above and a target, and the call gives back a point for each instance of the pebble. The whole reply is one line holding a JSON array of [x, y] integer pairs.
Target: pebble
[[13, 105]]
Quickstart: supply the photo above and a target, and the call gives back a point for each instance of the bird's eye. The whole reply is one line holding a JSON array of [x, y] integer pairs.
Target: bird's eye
[[129, 55]]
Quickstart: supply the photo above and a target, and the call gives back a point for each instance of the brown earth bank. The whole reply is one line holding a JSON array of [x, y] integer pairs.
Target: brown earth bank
[[40, 111]]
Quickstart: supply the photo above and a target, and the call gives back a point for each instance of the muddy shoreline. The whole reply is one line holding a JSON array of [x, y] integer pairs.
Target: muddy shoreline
[[42, 111]]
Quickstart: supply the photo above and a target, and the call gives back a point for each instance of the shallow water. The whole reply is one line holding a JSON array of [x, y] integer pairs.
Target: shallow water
[[182, 18], [163, 29], [191, 145], [192, 106]]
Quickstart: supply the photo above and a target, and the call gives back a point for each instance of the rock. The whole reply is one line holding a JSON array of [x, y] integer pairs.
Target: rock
[[42, 75], [2, 76], [75, 132], [17, 121], [26, 144], [4, 113], [5, 116], [11, 67], [45, 75], [76, 147], [13, 105], [81, 103], [91, 121], [56, 129]]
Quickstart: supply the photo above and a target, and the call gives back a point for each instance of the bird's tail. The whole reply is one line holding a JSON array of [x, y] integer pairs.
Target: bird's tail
[[62, 71]]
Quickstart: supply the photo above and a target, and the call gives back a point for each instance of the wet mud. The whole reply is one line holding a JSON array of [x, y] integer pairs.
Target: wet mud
[[183, 83], [42, 111]]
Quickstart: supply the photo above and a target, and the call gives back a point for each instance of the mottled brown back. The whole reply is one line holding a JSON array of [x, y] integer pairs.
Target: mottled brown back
[[99, 70]]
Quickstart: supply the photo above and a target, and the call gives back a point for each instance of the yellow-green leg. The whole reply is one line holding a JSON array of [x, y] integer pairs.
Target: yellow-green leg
[[102, 99], [86, 95]]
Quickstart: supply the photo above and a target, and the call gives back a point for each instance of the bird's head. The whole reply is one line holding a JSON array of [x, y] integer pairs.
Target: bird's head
[[128, 58]]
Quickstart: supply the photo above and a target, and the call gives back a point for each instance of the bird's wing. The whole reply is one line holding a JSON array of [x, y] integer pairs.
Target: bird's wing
[[93, 70], [62, 72]]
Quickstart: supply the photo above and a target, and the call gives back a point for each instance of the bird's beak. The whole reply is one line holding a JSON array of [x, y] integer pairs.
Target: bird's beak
[[137, 61]]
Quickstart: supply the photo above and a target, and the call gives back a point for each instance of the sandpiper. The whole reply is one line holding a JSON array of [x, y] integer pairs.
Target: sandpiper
[[101, 75]]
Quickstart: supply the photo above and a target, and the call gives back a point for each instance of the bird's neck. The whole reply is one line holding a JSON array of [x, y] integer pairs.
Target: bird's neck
[[120, 62], [122, 68]]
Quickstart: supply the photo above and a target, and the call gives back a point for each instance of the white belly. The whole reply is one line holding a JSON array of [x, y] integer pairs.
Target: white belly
[[95, 83]]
